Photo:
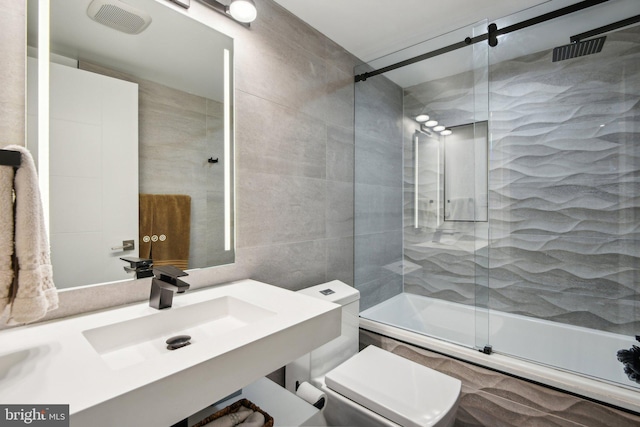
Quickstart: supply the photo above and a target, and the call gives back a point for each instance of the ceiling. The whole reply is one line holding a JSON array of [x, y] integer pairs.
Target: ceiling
[[385, 26]]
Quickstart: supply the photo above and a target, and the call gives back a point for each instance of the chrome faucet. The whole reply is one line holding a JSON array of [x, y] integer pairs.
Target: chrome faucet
[[165, 284]]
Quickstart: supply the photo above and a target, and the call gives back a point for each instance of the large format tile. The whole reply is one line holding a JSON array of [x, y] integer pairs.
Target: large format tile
[[340, 259], [340, 100], [292, 266], [279, 208], [339, 215], [376, 255], [340, 153], [378, 161], [301, 84], [277, 139], [378, 209], [379, 110]]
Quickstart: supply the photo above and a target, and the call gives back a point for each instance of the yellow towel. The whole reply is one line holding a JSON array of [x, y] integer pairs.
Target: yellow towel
[[165, 228]]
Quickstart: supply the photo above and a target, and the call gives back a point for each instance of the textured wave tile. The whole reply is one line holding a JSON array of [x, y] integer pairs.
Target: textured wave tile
[[564, 189]]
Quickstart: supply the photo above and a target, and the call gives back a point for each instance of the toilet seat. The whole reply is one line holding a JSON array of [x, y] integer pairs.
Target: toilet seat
[[400, 390]]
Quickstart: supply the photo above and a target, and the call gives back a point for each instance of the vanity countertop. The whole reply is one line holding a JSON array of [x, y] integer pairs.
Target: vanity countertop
[[56, 363]]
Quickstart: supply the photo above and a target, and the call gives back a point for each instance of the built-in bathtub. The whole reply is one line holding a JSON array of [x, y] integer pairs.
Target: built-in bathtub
[[567, 357]]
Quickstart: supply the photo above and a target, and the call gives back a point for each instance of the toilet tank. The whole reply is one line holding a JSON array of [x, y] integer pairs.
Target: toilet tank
[[313, 366]]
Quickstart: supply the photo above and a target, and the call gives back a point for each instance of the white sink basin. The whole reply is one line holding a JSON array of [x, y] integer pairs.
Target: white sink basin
[[128, 343], [113, 368]]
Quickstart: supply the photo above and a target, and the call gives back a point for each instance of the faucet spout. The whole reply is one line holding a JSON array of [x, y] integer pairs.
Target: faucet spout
[[165, 284]]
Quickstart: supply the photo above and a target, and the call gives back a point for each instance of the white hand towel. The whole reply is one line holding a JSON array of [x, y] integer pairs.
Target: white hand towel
[[254, 420], [6, 235], [36, 294], [232, 419]]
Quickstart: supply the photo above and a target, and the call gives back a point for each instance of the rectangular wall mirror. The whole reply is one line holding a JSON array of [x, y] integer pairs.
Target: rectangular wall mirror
[[466, 173], [139, 144]]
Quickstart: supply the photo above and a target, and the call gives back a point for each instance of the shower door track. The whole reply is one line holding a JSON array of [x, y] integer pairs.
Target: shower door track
[[491, 36]]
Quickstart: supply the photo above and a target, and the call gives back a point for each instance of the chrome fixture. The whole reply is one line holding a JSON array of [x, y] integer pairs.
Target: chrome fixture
[[242, 11], [165, 284]]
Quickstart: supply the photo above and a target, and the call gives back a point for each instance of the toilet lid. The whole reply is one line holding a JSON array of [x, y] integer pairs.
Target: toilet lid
[[403, 391]]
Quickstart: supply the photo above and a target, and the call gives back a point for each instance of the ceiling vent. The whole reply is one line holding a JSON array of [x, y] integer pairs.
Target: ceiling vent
[[119, 16]]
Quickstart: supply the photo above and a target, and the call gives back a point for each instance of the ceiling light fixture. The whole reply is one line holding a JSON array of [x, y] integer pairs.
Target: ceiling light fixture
[[242, 11], [439, 128], [431, 123], [421, 118], [446, 132]]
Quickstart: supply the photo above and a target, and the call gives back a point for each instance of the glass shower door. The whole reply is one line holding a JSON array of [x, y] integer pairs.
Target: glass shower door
[[565, 196], [438, 195]]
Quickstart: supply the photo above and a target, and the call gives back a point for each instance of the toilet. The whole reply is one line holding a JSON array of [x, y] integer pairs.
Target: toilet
[[373, 387]]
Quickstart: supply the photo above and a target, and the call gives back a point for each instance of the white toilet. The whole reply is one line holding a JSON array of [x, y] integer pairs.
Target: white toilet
[[373, 387]]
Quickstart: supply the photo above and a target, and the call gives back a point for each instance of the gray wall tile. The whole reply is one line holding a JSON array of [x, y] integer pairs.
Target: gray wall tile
[[339, 217], [278, 140], [375, 254], [340, 259], [292, 266], [340, 153], [378, 209], [378, 189], [279, 208]]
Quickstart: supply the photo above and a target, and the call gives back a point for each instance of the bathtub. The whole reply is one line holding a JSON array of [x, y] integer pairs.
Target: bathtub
[[579, 360]]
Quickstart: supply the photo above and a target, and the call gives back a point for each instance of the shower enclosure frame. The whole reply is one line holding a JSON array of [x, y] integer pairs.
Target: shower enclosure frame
[[482, 302]]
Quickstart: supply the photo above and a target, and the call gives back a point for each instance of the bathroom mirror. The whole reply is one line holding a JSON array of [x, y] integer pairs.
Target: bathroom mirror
[[466, 173], [139, 145]]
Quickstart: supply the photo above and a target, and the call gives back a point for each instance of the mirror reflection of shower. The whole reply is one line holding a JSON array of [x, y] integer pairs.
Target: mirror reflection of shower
[[450, 174]]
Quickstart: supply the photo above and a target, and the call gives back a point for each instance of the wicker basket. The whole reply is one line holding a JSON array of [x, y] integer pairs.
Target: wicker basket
[[234, 407]]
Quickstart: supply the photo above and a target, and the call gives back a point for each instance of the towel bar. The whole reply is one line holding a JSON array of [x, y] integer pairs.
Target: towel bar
[[10, 158]]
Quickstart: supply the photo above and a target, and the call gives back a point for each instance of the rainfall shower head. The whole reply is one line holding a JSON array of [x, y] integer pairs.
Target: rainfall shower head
[[580, 48], [119, 16]]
